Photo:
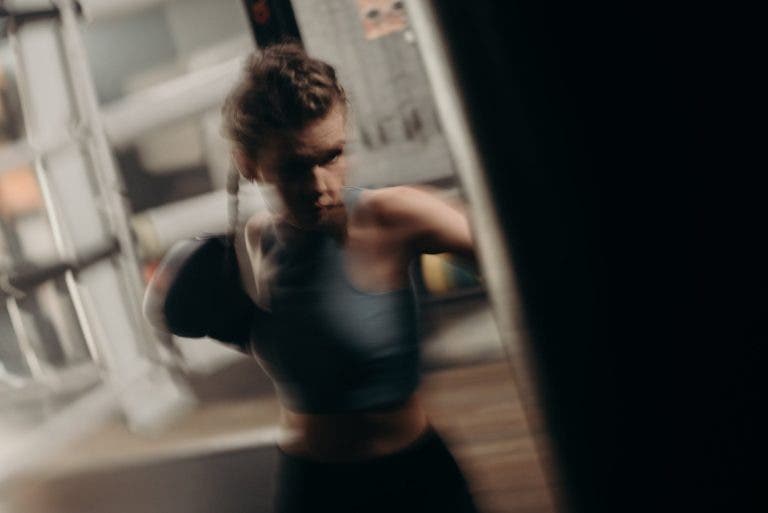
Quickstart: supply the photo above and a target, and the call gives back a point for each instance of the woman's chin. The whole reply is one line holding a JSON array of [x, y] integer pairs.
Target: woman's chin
[[332, 220]]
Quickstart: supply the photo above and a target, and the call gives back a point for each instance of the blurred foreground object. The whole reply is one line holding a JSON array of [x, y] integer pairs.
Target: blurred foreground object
[[89, 290], [611, 147]]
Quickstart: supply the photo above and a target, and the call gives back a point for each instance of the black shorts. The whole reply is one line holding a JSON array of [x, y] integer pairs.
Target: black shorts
[[422, 477]]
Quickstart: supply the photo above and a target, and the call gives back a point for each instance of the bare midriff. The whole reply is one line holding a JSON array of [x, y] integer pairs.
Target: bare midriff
[[352, 436]]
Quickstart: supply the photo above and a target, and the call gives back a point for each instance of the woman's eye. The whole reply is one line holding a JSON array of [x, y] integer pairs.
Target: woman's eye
[[291, 171], [332, 159]]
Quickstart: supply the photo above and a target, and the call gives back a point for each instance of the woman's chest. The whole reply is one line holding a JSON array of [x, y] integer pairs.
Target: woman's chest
[[368, 261]]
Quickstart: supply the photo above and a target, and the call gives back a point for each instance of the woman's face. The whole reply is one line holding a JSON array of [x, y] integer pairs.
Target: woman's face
[[308, 169]]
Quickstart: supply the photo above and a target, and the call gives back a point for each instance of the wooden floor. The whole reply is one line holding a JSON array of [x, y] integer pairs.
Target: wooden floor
[[476, 408], [479, 413]]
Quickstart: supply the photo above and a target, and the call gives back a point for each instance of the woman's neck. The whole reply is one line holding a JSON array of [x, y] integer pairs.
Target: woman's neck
[[291, 231]]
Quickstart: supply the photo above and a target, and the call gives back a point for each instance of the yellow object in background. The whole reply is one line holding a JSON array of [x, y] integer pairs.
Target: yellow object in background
[[443, 273]]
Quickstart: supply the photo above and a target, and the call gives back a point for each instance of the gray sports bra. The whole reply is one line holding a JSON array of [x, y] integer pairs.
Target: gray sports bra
[[329, 347]]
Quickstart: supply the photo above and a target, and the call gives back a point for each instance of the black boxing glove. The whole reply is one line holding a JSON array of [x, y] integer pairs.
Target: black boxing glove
[[196, 291]]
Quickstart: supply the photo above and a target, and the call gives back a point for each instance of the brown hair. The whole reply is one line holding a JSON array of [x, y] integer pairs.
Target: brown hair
[[282, 89]]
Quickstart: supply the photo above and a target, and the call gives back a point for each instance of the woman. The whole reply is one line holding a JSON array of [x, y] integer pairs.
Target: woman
[[334, 320]]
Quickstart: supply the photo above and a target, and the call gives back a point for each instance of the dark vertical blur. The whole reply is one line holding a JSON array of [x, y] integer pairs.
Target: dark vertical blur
[[271, 21], [599, 123]]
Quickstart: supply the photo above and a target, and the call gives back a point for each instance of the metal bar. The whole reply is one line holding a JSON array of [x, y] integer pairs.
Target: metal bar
[[24, 280], [42, 137], [179, 98], [105, 172], [126, 119], [97, 10], [36, 367], [149, 392], [18, 16], [58, 97], [26, 151], [65, 251], [23, 11], [159, 228]]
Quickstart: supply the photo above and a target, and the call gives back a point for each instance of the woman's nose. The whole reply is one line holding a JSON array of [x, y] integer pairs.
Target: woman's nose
[[319, 180]]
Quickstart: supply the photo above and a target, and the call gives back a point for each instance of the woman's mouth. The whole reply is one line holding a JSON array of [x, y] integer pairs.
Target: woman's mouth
[[319, 208]]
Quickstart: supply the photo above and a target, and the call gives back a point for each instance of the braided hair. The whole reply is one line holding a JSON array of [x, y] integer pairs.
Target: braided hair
[[282, 90], [233, 202]]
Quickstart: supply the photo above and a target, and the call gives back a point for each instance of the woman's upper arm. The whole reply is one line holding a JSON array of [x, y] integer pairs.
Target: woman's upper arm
[[431, 224]]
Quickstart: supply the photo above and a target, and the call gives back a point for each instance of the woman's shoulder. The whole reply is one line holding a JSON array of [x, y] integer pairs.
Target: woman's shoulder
[[389, 205]]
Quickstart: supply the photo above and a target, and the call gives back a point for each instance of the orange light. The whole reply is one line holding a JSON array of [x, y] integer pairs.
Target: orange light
[[19, 192]]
